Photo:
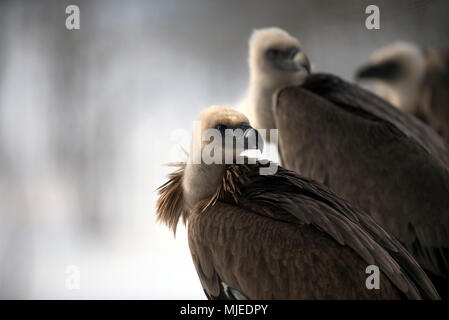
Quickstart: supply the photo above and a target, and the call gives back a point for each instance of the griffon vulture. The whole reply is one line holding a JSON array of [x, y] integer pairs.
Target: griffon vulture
[[279, 236], [275, 61], [415, 207], [415, 80], [377, 157]]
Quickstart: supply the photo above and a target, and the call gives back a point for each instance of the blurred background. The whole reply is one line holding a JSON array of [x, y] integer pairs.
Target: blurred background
[[89, 117]]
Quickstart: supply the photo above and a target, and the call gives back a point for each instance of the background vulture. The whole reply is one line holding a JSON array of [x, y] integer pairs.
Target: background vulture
[[279, 236], [276, 61], [415, 80], [354, 167], [377, 157]]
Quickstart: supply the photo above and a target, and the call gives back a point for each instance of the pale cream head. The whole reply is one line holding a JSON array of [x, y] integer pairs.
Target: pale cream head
[[201, 178], [276, 59], [397, 72]]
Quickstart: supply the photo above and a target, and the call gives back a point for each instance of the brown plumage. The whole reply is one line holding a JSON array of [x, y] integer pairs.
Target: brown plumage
[[434, 106], [170, 203], [377, 157], [284, 236]]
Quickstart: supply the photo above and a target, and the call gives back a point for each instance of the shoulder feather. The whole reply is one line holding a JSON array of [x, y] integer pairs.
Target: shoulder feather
[[170, 206]]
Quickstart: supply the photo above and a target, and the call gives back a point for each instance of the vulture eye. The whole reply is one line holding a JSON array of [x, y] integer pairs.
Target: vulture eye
[[292, 52], [273, 53], [221, 127], [245, 127]]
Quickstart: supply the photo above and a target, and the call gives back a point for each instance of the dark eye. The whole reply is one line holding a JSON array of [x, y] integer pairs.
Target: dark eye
[[245, 127], [273, 53], [292, 52], [221, 127]]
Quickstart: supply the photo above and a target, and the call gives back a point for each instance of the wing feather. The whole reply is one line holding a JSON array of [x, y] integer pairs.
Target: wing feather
[[287, 200]]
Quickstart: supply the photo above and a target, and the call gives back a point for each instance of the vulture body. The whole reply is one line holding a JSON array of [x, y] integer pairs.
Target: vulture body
[[375, 156], [414, 80], [280, 236]]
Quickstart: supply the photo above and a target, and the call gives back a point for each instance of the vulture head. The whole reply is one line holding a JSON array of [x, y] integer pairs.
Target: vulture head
[[228, 126], [276, 59], [219, 132], [397, 71], [220, 135]]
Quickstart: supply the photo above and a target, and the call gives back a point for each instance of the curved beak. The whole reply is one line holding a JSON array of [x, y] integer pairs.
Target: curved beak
[[293, 60], [252, 138]]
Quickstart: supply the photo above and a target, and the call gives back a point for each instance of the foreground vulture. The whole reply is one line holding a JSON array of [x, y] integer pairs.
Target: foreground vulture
[[280, 236], [415, 80]]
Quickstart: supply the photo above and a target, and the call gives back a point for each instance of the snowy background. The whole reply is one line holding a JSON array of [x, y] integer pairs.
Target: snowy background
[[88, 118]]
